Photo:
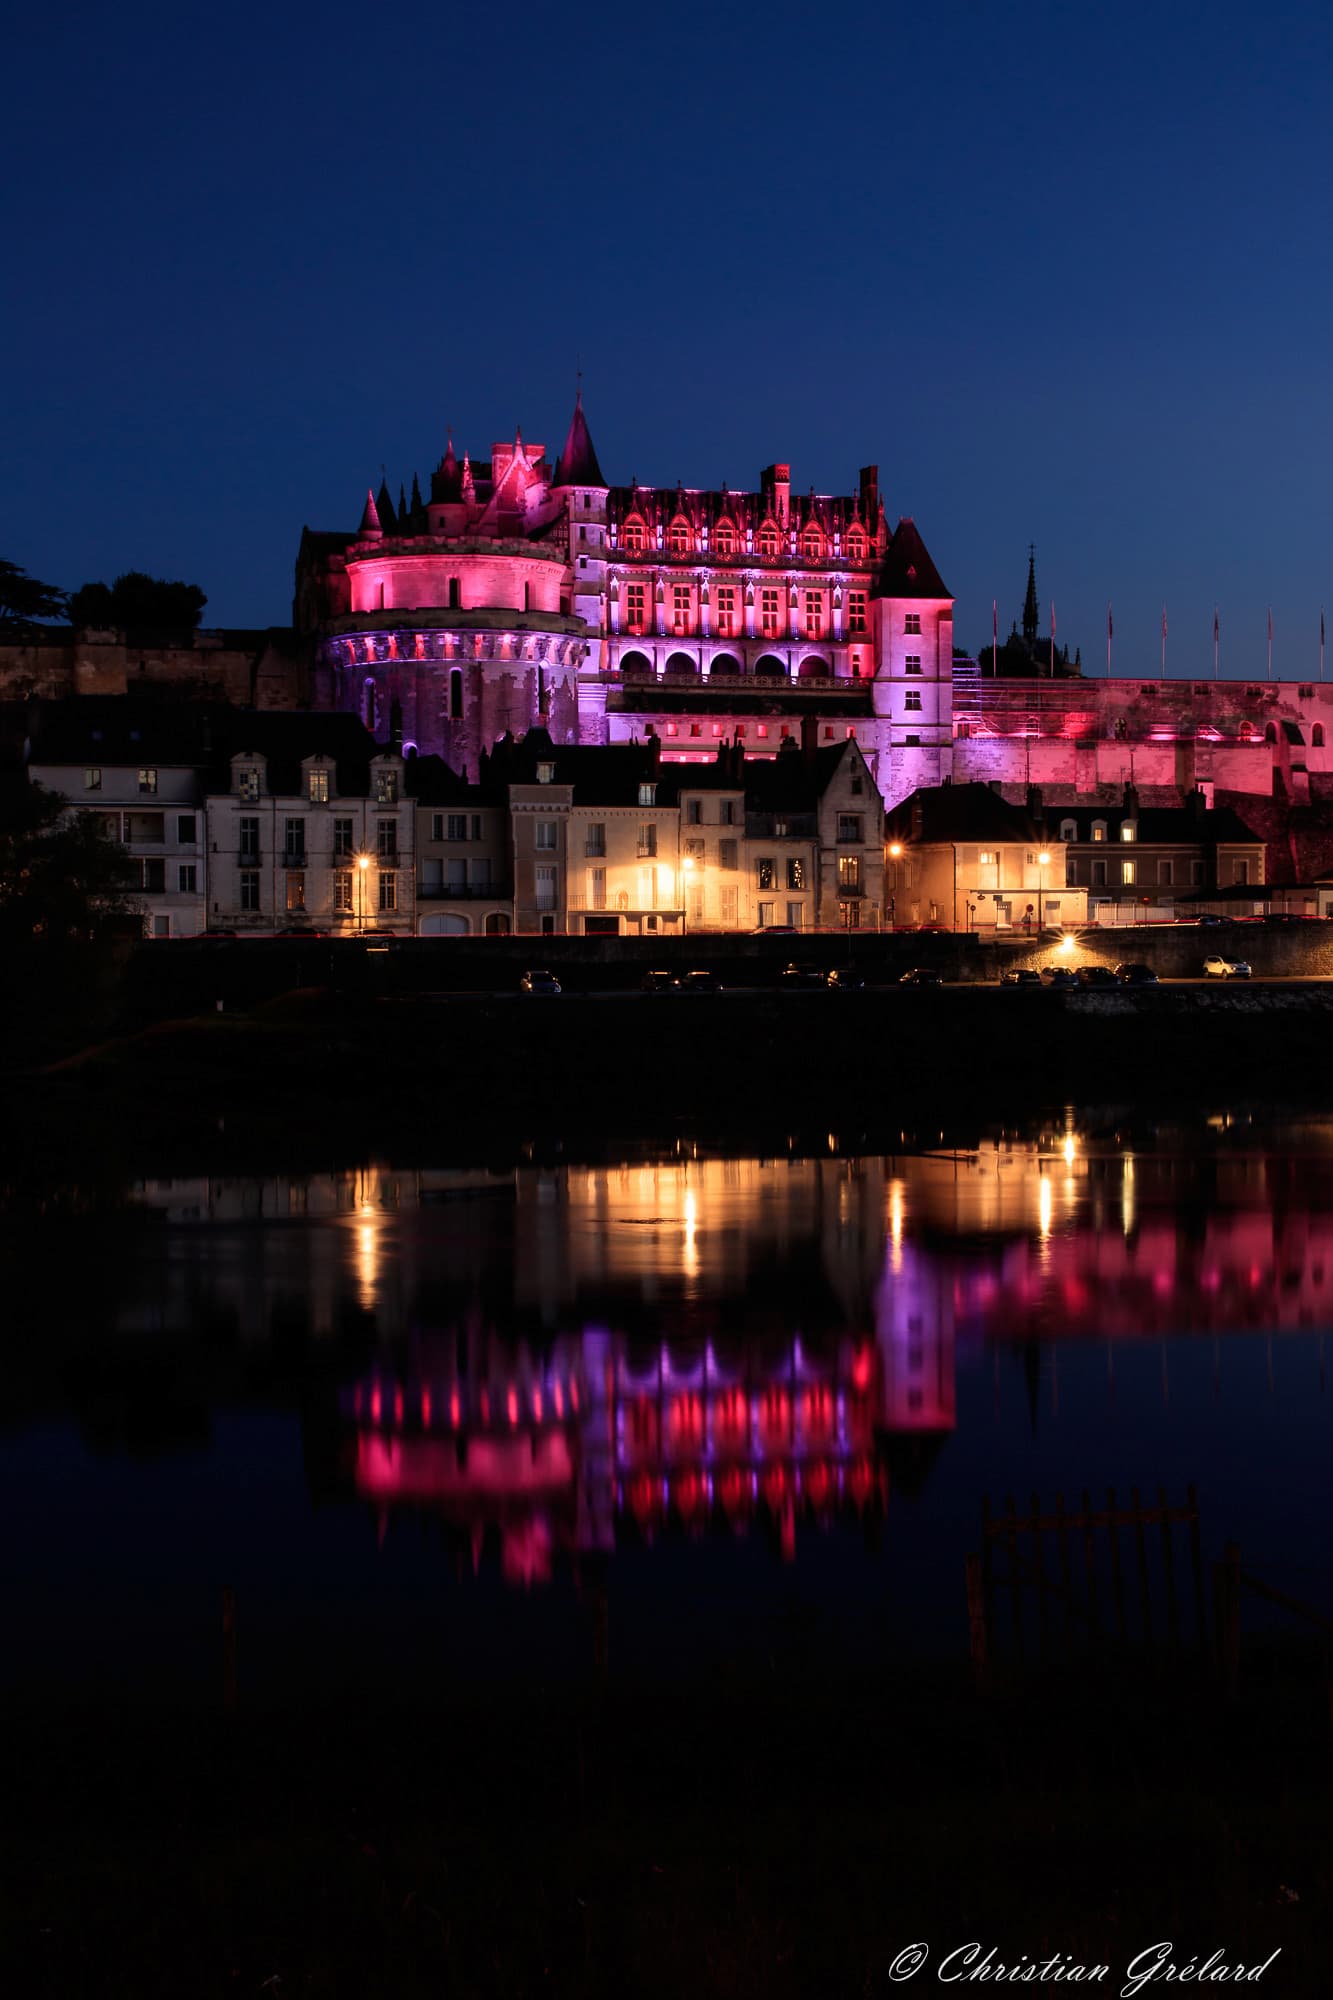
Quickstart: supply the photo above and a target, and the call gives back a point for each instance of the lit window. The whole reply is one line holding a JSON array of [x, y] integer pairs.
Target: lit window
[[680, 537], [342, 891], [1099, 829], [726, 611], [768, 540], [648, 794], [1128, 872], [319, 788], [92, 780], [769, 613], [856, 610], [724, 541], [386, 788], [849, 872], [814, 614], [856, 546], [148, 781], [545, 774], [987, 857], [1127, 830], [296, 890], [634, 599], [634, 535], [680, 602]]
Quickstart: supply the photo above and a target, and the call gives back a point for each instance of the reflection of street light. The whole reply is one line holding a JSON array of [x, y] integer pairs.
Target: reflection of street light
[[685, 868], [362, 863]]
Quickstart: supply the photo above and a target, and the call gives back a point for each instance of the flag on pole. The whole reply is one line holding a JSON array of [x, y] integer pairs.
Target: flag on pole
[[1052, 638], [995, 634], [1217, 641], [1163, 642], [1109, 632], [1270, 642]]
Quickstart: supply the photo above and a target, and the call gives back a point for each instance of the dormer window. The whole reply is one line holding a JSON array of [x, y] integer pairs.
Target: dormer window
[[856, 546], [386, 788], [768, 540], [634, 535], [1127, 830], [247, 782], [1099, 829], [680, 537], [724, 540], [545, 774], [1068, 830], [318, 786], [648, 794]]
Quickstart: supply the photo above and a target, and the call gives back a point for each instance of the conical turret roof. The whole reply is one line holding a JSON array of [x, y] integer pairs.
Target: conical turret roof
[[577, 464]]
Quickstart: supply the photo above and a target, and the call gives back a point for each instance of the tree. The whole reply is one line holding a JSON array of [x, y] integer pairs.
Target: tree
[[61, 878], [138, 602], [25, 601]]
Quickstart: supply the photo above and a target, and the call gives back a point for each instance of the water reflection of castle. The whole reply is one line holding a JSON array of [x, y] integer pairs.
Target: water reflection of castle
[[565, 1354]]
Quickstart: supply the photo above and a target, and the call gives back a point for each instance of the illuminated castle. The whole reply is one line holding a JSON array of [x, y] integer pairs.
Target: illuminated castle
[[519, 593]]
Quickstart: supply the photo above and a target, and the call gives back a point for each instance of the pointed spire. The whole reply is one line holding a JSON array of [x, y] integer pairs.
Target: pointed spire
[[384, 506], [445, 484], [417, 502], [577, 464], [370, 530], [1030, 601], [402, 509], [469, 484]]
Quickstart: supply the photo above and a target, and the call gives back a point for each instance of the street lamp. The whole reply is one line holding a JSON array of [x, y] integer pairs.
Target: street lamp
[[895, 854], [1043, 862], [362, 863], [685, 867]]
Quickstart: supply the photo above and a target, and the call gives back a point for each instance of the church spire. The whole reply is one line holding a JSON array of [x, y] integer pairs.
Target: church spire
[[1030, 601]]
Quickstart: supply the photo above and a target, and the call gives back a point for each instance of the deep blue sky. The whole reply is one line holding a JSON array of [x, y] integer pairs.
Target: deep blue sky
[[1062, 271]]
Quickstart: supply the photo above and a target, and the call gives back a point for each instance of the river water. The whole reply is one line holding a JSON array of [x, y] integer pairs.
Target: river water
[[687, 1415]]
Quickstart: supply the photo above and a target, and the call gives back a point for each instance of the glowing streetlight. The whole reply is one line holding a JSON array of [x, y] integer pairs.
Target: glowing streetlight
[[362, 863]]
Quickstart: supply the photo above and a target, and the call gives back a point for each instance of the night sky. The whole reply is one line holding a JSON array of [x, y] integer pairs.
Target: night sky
[[1062, 271]]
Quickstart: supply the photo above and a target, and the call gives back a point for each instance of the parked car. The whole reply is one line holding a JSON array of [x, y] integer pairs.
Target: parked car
[[803, 978], [539, 981], [698, 982], [1096, 975], [846, 979], [1217, 967], [658, 982], [1059, 976], [1135, 973], [1021, 975], [921, 975]]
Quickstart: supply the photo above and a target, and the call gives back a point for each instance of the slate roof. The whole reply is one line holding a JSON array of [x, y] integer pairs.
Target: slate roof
[[577, 464], [959, 812], [908, 569], [1158, 824]]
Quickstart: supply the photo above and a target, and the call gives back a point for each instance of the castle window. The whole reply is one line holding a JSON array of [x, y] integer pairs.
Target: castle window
[[1099, 829], [770, 615], [963, 730], [912, 700], [724, 540], [768, 540], [318, 788], [726, 611], [814, 614], [456, 694], [856, 546], [1317, 736], [634, 599], [1128, 830], [912, 664], [680, 601], [453, 593], [812, 546], [856, 610], [912, 622], [680, 537], [635, 536]]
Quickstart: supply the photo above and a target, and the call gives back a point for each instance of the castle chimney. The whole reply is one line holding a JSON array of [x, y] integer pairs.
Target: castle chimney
[[809, 737]]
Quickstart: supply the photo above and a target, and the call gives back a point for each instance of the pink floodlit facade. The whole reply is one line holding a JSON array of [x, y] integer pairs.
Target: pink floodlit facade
[[517, 591]]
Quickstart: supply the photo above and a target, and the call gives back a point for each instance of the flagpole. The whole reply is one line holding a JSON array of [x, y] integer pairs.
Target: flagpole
[[1163, 642], [1217, 640], [1109, 630], [1052, 638], [1321, 642], [1270, 642]]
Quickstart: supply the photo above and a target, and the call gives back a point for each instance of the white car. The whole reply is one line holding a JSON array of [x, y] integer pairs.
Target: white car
[[1217, 967]]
